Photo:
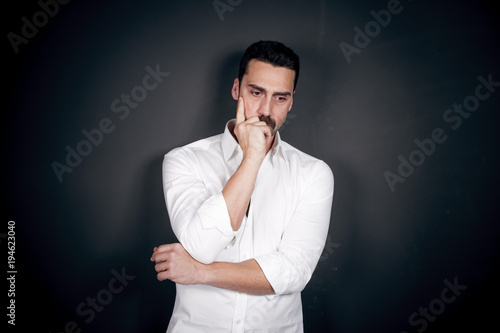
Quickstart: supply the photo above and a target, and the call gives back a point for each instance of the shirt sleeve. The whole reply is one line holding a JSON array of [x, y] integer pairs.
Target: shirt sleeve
[[290, 268], [199, 216]]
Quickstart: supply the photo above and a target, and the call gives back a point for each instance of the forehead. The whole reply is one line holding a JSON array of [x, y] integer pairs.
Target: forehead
[[268, 76]]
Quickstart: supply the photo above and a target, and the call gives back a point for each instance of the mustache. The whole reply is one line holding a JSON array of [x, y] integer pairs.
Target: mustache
[[269, 122]]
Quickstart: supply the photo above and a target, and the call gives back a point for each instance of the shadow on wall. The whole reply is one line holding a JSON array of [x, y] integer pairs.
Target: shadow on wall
[[211, 121], [312, 129], [153, 221], [157, 298]]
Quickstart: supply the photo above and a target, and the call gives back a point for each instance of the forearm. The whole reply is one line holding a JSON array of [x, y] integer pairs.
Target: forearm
[[238, 190], [255, 139], [246, 277]]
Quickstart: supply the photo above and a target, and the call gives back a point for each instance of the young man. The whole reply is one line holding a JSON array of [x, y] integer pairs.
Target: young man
[[250, 211]]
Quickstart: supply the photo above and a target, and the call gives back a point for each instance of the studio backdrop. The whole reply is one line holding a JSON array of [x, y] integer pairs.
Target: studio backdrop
[[400, 98]]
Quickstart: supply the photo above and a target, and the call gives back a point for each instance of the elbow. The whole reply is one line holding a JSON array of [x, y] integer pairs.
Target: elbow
[[203, 257], [202, 254], [204, 247], [301, 281], [295, 276]]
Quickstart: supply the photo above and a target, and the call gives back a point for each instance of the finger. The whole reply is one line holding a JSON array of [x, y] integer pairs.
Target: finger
[[267, 130], [240, 111], [162, 276], [154, 251], [161, 257], [161, 267], [163, 248], [254, 120], [267, 133]]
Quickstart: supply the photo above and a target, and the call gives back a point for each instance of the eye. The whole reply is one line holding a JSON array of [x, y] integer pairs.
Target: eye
[[281, 99], [256, 92]]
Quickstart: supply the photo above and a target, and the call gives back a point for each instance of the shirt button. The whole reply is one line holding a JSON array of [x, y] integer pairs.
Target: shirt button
[[238, 321]]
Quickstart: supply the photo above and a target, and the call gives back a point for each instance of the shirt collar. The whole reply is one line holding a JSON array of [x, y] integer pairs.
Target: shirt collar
[[230, 146]]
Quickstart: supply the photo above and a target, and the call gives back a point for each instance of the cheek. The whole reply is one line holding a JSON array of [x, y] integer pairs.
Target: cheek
[[250, 108], [280, 118], [282, 111]]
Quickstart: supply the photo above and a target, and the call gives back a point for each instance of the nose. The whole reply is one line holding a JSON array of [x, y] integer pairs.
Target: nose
[[265, 107]]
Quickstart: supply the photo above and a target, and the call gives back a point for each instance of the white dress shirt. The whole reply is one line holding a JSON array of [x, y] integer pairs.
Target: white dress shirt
[[285, 232]]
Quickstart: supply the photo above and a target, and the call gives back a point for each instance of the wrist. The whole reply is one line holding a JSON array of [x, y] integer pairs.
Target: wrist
[[253, 159], [203, 274]]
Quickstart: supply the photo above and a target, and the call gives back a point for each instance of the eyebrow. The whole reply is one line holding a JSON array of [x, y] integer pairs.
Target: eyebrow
[[282, 93]]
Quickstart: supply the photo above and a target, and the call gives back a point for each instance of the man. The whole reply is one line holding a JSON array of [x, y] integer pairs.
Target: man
[[250, 211]]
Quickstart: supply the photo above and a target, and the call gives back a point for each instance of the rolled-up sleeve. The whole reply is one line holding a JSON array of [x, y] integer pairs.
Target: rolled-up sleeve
[[290, 268], [198, 215]]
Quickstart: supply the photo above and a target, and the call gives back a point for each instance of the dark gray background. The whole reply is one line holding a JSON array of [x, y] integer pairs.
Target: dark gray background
[[388, 252]]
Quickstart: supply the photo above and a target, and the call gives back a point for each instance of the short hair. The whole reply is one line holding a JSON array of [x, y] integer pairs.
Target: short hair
[[271, 52]]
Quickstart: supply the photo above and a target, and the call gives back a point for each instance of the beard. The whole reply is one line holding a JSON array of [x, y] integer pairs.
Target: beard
[[269, 122]]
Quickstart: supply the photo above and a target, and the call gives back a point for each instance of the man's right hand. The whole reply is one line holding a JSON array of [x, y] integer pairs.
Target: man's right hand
[[254, 136]]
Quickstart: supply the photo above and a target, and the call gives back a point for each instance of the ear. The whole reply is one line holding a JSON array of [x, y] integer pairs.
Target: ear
[[235, 91]]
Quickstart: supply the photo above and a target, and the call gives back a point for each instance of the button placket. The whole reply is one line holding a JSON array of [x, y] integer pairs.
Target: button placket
[[240, 313]]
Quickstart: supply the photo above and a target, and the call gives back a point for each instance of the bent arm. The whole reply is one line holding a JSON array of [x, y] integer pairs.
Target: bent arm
[[174, 263], [290, 267], [246, 277], [284, 271], [255, 139], [205, 219], [198, 215]]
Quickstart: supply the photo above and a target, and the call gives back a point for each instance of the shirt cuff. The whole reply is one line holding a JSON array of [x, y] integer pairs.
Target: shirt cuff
[[272, 269]]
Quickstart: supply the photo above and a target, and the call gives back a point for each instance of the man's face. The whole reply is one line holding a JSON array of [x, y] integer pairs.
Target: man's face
[[267, 92]]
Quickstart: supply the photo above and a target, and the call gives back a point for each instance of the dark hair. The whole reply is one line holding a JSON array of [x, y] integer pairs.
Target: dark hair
[[274, 53]]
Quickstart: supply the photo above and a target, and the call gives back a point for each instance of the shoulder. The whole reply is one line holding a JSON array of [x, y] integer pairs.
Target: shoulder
[[192, 149], [303, 161], [193, 156], [311, 172]]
